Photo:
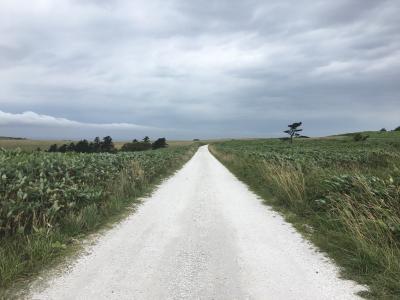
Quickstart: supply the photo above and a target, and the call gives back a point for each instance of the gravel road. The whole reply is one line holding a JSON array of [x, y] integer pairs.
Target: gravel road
[[201, 235]]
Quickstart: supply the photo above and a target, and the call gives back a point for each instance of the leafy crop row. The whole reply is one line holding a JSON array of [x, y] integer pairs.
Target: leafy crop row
[[38, 189], [49, 199]]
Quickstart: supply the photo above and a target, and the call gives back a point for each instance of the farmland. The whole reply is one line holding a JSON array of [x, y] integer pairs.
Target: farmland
[[47, 200], [341, 194], [32, 145]]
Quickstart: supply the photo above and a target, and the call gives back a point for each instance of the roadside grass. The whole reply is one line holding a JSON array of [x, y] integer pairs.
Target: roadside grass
[[343, 196], [25, 254]]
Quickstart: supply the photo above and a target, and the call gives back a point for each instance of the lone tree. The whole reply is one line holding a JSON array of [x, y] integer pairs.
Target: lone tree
[[294, 130]]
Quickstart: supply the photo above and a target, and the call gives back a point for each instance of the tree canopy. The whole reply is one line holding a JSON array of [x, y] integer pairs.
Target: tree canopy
[[294, 130], [84, 146]]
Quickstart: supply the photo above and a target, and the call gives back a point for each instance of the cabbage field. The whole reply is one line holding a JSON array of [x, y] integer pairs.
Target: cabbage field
[[344, 195], [46, 199]]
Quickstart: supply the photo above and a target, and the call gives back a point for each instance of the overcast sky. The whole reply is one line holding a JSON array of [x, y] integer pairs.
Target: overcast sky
[[197, 69]]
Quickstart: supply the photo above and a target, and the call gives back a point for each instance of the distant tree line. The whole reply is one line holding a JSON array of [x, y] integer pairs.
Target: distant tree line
[[84, 146], [107, 145], [144, 144]]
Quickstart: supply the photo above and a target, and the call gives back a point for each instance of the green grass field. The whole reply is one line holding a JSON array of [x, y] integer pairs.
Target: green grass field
[[343, 195]]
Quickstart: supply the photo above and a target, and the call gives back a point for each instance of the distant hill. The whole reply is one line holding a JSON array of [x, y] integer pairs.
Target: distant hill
[[11, 138], [374, 135]]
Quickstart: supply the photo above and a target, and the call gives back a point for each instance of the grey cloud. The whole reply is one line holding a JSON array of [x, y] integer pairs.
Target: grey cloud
[[227, 68], [44, 126], [33, 119]]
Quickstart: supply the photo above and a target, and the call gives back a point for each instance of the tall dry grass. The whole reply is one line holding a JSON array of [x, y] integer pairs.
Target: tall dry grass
[[286, 181]]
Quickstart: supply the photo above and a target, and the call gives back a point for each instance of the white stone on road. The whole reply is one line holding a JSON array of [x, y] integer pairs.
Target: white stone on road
[[201, 235]]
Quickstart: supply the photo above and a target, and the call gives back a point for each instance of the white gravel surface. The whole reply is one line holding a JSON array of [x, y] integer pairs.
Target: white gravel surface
[[201, 235]]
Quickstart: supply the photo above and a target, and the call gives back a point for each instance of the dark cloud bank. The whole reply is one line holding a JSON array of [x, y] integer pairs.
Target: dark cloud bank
[[185, 69]]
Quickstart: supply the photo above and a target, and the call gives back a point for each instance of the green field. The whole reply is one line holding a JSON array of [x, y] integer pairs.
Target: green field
[[343, 195], [48, 200], [388, 136]]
